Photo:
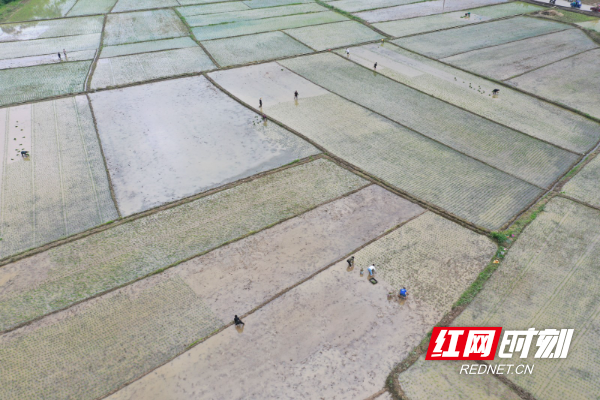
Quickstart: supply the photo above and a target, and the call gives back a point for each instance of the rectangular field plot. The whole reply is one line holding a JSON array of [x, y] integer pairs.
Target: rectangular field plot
[[578, 89], [62, 188], [422, 9], [510, 151], [49, 46], [142, 26], [407, 160], [32, 83], [427, 380], [212, 141], [251, 48], [584, 186], [511, 108], [459, 40], [145, 47], [51, 28], [167, 312], [360, 5], [553, 267], [273, 3], [147, 66], [266, 25], [250, 14], [42, 9], [351, 326], [412, 26], [46, 59], [507, 60], [190, 11], [322, 37], [87, 7], [132, 5], [141, 247]]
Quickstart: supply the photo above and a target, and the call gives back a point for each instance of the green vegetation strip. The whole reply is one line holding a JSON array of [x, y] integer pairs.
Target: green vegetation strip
[[76, 271]]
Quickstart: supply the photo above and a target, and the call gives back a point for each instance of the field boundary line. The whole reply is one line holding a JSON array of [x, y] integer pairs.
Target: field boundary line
[[193, 37], [502, 44], [554, 62], [74, 4], [179, 262], [88, 81], [296, 40], [106, 169], [506, 85], [87, 160], [586, 159], [273, 298], [122, 220], [44, 38], [583, 203], [358, 171], [60, 171], [414, 130], [460, 107]]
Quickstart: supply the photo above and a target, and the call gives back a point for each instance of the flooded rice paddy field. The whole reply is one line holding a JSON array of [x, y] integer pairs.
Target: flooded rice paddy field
[[199, 15], [218, 211], [362, 5], [336, 335], [412, 26], [514, 109], [328, 36], [516, 58], [577, 89], [142, 26], [176, 138], [454, 41], [584, 186], [422, 9], [128, 69], [248, 27], [541, 279], [50, 28], [36, 82], [190, 301], [146, 245], [529, 159], [147, 47], [252, 48], [89, 7], [62, 188], [467, 188]]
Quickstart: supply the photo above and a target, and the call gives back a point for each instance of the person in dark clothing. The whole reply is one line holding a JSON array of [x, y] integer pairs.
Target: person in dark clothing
[[237, 321], [495, 92], [375, 66], [350, 262], [59, 59], [260, 103], [296, 95]]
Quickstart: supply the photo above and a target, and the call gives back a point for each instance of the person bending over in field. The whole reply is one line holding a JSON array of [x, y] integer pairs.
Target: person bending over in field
[[238, 321], [24, 154], [350, 262], [403, 293]]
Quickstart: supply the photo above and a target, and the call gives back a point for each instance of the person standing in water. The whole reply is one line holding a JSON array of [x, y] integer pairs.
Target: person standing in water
[[348, 52], [260, 103], [375, 66], [296, 95], [59, 59]]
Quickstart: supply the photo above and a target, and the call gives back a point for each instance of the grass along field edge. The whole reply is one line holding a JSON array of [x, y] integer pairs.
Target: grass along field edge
[[353, 17], [504, 239]]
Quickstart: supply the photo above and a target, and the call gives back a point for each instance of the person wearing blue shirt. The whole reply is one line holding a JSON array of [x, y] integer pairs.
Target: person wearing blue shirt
[[403, 293]]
